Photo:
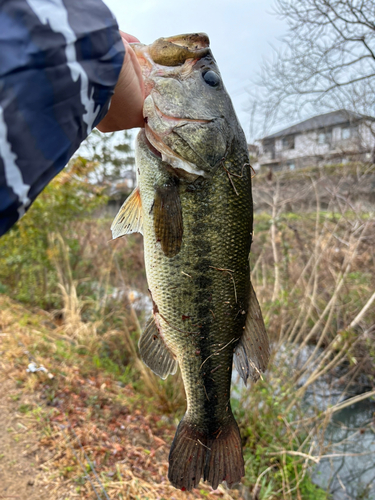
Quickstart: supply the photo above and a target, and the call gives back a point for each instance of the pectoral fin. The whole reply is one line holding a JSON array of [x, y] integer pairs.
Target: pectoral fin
[[168, 223], [154, 351], [129, 218], [252, 352]]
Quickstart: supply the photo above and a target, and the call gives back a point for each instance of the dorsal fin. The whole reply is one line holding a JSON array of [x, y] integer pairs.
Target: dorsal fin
[[252, 352], [129, 218]]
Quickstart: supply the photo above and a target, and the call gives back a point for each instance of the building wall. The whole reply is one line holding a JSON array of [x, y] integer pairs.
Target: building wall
[[341, 143]]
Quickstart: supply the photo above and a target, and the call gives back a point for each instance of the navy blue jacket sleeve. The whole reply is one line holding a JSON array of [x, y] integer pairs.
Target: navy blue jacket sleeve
[[59, 64]]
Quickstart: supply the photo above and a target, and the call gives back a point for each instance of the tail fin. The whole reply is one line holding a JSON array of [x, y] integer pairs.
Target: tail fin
[[195, 454]]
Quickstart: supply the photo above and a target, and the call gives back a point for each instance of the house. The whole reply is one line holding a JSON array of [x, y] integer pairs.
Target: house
[[335, 137]]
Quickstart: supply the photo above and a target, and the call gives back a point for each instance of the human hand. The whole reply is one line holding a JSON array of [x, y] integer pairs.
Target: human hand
[[127, 102]]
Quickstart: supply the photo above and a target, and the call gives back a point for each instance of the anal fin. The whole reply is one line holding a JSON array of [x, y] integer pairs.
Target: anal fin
[[252, 352], [129, 218], [154, 351]]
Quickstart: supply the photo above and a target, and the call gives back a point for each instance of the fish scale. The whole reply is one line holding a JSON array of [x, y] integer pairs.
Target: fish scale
[[196, 215]]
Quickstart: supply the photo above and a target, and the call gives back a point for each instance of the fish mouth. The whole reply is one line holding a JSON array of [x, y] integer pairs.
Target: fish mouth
[[173, 51]]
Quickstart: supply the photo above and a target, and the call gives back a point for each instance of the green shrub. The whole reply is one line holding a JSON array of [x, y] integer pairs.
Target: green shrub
[[27, 272]]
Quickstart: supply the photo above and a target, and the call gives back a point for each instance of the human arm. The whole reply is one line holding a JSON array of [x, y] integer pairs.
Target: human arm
[[59, 64]]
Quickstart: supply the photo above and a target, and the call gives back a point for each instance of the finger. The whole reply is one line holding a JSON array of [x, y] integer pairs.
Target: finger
[[135, 64], [128, 38]]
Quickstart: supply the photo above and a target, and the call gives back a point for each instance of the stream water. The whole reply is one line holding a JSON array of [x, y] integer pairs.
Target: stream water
[[348, 473], [351, 474]]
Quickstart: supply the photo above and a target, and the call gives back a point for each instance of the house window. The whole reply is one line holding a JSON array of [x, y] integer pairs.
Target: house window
[[291, 165], [345, 133], [325, 137], [269, 147], [288, 142], [348, 132]]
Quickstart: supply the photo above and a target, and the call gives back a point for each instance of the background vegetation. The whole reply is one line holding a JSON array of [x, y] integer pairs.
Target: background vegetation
[[85, 299]]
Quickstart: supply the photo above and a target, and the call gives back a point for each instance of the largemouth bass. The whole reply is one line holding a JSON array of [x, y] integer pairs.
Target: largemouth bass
[[193, 204]]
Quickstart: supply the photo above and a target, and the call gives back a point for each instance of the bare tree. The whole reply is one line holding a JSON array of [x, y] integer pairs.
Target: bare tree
[[327, 60], [114, 154]]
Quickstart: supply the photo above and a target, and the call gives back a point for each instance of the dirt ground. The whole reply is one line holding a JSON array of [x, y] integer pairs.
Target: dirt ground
[[20, 453]]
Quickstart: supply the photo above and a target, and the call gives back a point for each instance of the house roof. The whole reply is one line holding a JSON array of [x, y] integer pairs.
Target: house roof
[[321, 121]]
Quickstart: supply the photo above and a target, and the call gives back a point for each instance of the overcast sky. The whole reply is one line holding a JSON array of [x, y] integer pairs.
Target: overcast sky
[[241, 34]]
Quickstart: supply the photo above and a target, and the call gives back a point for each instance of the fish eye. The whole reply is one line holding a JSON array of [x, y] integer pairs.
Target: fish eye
[[211, 78]]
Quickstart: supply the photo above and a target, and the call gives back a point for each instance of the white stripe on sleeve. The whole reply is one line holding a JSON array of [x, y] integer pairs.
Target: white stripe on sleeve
[[54, 12], [13, 174]]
